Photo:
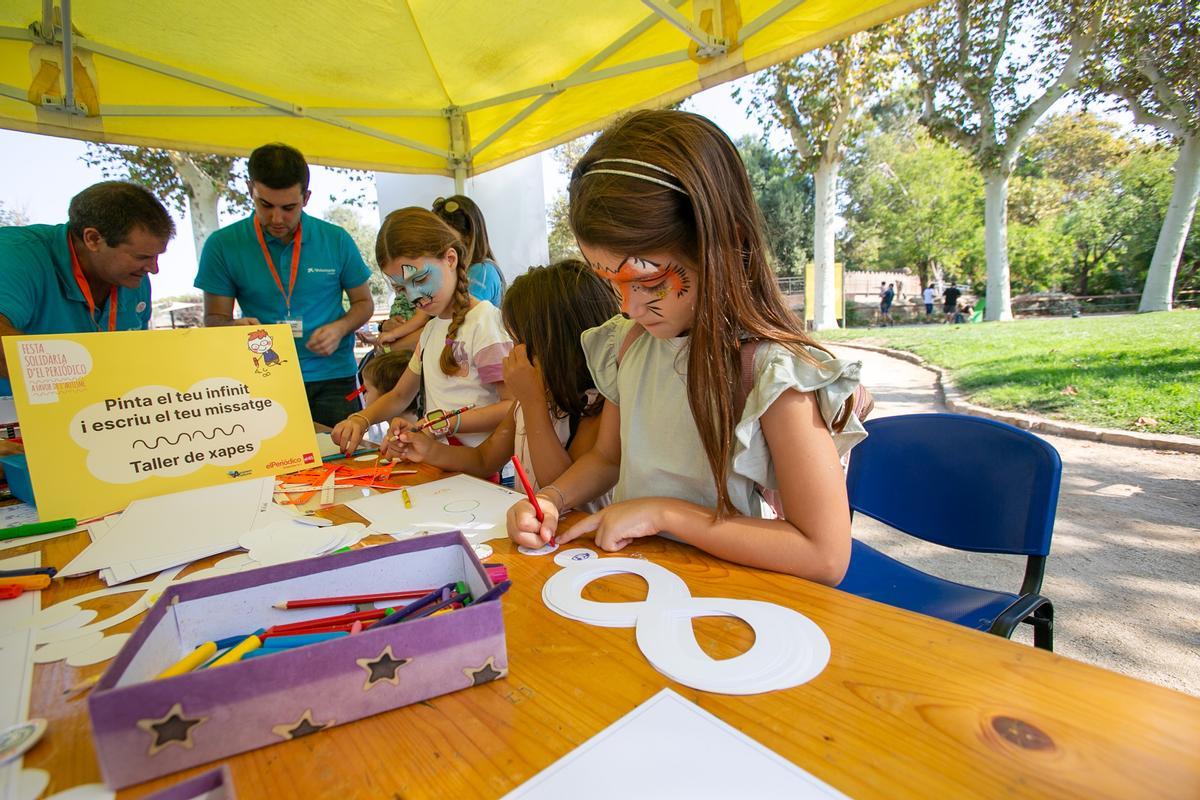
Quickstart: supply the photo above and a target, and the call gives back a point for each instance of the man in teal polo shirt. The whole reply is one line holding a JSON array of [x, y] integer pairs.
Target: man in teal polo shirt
[[283, 266], [87, 275]]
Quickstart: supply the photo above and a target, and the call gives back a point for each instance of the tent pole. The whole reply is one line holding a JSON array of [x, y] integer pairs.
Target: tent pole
[[460, 158], [68, 46], [47, 29]]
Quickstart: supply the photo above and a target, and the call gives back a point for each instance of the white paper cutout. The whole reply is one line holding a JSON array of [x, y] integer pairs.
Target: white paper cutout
[[477, 508], [180, 527], [102, 651], [61, 648], [482, 550], [565, 558], [788, 650], [31, 783], [545, 549]]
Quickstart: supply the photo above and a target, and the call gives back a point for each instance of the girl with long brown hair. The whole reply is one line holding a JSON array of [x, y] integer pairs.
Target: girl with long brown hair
[[556, 413], [461, 351], [713, 392]]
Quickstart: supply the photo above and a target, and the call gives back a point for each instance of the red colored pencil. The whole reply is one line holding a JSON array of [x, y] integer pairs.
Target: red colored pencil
[[537, 509], [272, 632], [352, 599], [340, 619]]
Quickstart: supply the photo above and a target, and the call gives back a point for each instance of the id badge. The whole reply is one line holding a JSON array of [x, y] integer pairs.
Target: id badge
[[297, 326]]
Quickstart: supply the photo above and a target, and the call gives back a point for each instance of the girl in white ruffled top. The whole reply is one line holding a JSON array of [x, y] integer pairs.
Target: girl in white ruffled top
[[556, 415], [690, 437]]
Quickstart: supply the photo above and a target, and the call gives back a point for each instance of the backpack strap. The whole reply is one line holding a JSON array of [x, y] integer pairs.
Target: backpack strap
[[631, 337], [748, 349]]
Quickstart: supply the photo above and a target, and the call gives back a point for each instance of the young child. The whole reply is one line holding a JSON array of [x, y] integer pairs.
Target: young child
[[461, 351], [487, 281], [485, 278], [662, 208], [556, 413]]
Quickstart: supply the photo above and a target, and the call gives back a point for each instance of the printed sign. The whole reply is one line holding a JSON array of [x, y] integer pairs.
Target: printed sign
[[109, 418]]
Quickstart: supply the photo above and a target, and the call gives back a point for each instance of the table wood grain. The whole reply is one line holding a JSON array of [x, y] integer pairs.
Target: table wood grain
[[908, 707]]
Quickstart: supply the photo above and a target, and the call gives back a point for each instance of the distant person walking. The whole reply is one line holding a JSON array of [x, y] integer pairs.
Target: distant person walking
[[929, 295], [950, 298], [885, 304]]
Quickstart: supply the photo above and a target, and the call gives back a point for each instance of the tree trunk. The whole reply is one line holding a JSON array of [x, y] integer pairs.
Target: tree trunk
[[203, 196], [825, 299], [1160, 281], [995, 236]]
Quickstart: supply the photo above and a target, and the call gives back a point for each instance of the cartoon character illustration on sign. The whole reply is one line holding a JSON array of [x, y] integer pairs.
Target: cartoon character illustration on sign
[[260, 344]]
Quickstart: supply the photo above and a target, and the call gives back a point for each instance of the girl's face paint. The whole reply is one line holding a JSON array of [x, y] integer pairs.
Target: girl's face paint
[[657, 289], [428, 282]]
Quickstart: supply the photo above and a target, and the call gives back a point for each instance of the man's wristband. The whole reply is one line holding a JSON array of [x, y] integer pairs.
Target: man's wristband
[[562, 501]]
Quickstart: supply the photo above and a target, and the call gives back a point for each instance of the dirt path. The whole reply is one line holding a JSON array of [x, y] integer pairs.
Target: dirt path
[[1124, 568]]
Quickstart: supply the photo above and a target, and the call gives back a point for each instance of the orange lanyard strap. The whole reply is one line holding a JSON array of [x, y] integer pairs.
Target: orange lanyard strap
[[77, 271], [262, 242]]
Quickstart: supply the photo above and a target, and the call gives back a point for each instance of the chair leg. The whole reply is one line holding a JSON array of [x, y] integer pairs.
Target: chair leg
[[1042, 620]]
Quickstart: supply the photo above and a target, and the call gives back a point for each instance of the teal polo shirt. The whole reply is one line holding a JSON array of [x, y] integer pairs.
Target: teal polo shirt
[[232, 265], [38, 292]]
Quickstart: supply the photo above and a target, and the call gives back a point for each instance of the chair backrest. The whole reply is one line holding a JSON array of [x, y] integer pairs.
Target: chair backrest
[[959, 481]]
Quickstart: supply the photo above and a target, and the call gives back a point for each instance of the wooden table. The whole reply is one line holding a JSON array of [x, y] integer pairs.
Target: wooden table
[[907, 707]]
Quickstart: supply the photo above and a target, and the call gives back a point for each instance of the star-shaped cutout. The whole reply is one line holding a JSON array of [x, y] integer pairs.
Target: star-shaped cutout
[[301, 727], [487, 672], [382, 668], [173, 728]]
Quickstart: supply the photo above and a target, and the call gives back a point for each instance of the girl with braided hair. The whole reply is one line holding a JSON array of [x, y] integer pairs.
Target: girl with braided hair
[[460, 355]]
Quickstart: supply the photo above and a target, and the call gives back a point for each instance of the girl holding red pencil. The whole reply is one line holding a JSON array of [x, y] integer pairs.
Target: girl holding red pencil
[[556, 415], [713, 391], [461, 351]]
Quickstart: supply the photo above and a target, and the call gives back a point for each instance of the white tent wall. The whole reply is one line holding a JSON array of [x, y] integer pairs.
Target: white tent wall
[[512, 198]]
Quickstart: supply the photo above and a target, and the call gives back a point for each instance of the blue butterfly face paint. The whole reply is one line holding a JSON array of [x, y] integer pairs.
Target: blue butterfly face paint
[[423, 282]]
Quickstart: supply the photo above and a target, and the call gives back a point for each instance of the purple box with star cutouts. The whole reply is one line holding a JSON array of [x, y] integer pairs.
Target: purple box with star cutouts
[[144, 728]]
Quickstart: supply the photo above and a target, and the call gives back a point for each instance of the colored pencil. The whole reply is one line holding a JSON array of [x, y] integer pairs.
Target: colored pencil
[[84, 684], [339, 619], [189, 662], [407, 499], [537, 508], [448, 415], [38, 528], [12, 573], [27, 582], [352, 599], [251, 642]]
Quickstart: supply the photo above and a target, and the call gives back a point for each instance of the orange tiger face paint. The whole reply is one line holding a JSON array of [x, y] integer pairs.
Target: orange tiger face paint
[[656, 289]]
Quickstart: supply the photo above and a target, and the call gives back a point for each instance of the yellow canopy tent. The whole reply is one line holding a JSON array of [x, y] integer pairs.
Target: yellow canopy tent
[[451, 87]]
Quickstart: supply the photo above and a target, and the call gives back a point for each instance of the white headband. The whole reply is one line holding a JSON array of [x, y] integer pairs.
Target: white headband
[[639, 175]]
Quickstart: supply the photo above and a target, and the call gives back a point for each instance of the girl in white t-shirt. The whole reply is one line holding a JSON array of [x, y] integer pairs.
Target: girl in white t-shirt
[[557, 410], [462, 349], [712, 390]]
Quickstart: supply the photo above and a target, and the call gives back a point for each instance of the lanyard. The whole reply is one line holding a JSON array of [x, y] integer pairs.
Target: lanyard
[[77, 271], [287, 296]]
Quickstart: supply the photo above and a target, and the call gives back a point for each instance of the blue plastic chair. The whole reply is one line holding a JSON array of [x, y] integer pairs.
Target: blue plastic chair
[[962, 482]]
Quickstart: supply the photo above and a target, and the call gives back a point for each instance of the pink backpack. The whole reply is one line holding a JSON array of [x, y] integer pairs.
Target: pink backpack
[[860, 403]]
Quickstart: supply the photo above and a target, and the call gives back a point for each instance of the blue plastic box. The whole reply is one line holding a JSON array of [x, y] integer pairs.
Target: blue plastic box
[[16, 471]]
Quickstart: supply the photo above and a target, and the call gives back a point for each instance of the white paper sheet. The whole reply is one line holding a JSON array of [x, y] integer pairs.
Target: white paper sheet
[[670, 747], [16, 663], [477, 508], [177, 528], [17, 514]]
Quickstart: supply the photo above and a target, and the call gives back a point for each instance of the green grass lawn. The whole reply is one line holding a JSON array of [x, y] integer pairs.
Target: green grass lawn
[[1121, 367]]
